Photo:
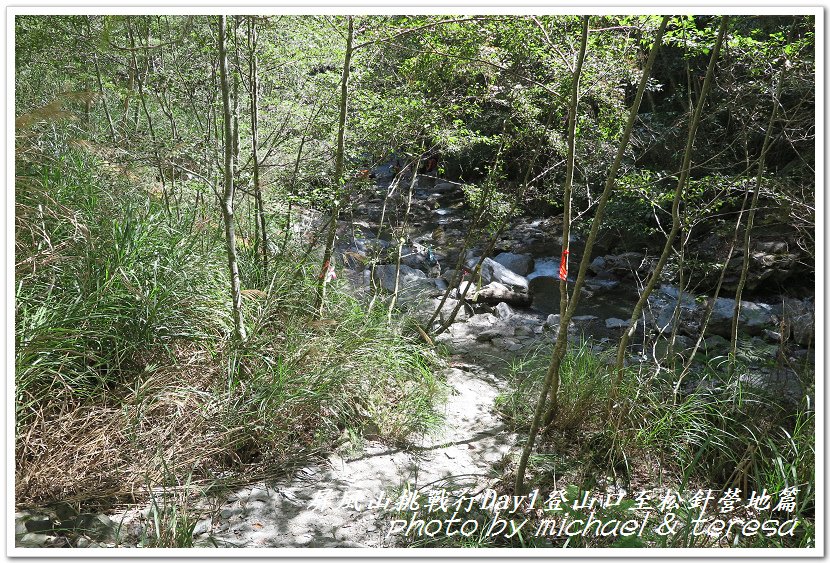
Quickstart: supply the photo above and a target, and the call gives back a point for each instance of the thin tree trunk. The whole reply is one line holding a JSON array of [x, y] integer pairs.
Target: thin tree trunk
[[143, 100], [752, 208], [101, 86], [260, 208], [294, 176], [460, 261], [338, 167], [401, 240], [566, 217], [227, 196], [685, 169], [565, 316]]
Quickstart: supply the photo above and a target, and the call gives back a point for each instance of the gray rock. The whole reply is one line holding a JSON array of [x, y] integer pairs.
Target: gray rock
[[616, 323], [524, 331], [495, 292], [444, 187], [467, 289], [800, 316], [754, 318], [39, 524], [449, 306], [498, 332], [672, 293], [203, 527], [716, 343], [32, 540], [771, 336], [548, 267], [448, 275], [553, 320], [508, 344], [227, 513], [781, 385], [97, 527], [493, 271], [415, 259], [522, 264], [384, 275], [504, 311], [597, 265], [599, 285], [584, 318]]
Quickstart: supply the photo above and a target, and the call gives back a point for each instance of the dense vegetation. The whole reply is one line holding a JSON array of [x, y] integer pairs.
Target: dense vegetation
[[182, 307]]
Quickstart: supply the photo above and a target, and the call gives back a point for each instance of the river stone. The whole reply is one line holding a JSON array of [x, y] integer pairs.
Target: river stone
[[415, 259], [508, 344], [504, 311], [781, 385], [37, 524], [469, 287], [494, 292], [97, 527], [496, 332], [597, 265], [448, 308], [493, 271], [616, 323], [32, 540], [522, 264], [755, 317], [384, 276], [596, 285], [800, 316]]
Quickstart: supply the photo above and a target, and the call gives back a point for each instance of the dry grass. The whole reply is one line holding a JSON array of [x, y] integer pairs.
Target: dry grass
[[96, 452]]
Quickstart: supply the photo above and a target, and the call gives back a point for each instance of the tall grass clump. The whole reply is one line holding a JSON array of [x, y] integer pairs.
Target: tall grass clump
[[125, 368], [721, 431]]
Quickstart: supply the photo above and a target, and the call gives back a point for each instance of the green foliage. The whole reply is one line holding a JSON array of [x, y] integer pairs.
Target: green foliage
[[113, 292]]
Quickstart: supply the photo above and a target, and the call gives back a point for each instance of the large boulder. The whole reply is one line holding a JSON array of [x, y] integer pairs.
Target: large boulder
[[662, 304], [492, 271], [384, 276], [779, 385], [620, 266], [754, 318], [799, 316], [522, 264], [494, 292]]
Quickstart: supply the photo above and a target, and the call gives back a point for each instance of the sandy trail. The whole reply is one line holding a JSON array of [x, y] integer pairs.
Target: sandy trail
[[325, 505]]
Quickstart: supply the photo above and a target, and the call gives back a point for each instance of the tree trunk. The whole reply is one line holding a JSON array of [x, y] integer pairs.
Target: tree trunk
[[753, 206], [558, 352], [260, 208], [566, 216], [685, 169], [227, 196], [401, 240], [338, 167]]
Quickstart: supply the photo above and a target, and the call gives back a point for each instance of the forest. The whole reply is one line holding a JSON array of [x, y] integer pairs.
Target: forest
[[416, 281]]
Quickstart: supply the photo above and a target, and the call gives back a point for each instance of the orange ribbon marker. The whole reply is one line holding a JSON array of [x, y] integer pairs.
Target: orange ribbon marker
[[563, 265]]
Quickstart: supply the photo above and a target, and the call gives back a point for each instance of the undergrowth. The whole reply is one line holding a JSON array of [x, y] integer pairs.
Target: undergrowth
[[721, 433], [125, 369]]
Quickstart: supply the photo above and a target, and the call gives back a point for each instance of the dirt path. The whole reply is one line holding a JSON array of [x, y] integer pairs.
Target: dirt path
[[325, 505]]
